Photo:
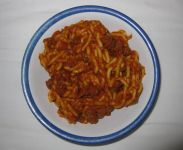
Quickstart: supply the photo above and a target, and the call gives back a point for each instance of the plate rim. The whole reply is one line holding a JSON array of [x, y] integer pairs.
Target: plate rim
[[77, 138]]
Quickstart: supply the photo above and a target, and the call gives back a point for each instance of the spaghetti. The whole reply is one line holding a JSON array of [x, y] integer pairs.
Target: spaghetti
[[92, 71]]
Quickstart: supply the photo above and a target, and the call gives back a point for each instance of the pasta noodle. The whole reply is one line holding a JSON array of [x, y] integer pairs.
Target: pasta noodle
[[92, 71]]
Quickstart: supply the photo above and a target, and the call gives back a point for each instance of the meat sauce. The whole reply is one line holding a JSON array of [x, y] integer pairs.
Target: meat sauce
[[78, 73]]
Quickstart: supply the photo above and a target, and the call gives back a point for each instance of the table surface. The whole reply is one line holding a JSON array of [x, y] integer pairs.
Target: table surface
[[163, 22]]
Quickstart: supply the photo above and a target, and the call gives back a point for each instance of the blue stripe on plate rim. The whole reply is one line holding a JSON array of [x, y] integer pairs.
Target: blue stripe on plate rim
[[76, 138]]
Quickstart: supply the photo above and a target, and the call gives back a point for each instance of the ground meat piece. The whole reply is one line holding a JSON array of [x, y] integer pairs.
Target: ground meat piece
[[123, 71], [104, 111], [61, 88], [115, 45], [60, 80], [63, 75], [76, 40], [90, 114], [108, 42], [93, 113], [91, 91], [50, 43], [88, 91], [117, 86], [71, 63], [49, 83]]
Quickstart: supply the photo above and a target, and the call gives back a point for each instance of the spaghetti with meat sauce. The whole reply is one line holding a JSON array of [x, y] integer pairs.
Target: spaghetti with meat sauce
[[92, 71]]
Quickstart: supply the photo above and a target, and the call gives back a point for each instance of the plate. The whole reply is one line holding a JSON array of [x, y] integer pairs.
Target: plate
[[122, 122]]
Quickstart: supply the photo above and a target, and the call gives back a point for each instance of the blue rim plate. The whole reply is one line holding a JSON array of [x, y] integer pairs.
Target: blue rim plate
[[81, 139]]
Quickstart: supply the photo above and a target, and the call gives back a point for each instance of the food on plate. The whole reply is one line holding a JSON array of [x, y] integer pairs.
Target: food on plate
[[92, 71]]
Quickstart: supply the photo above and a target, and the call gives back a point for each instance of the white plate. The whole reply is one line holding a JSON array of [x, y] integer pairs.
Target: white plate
[[122, 121]]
